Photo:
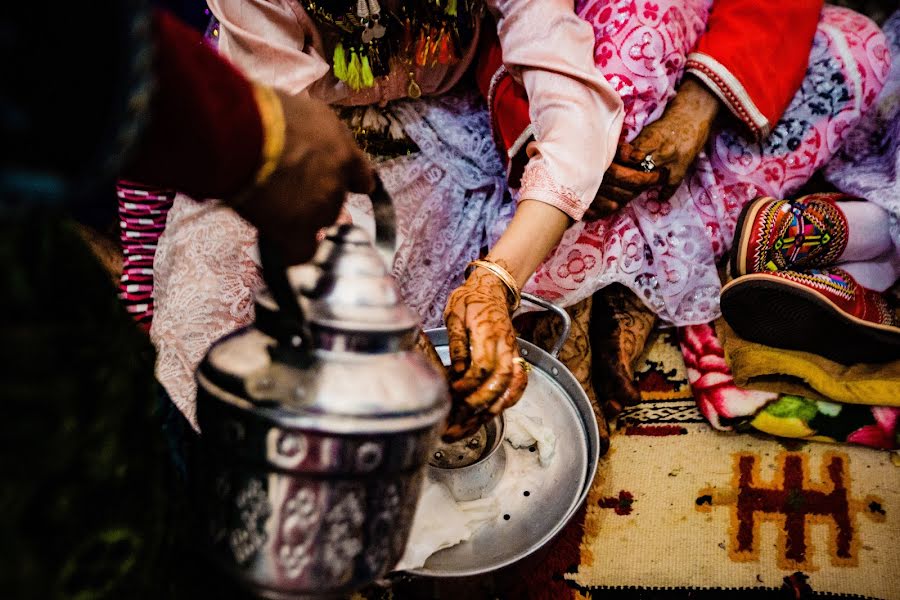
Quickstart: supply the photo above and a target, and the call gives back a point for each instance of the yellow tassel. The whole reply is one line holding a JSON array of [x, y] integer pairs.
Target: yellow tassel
[[340, 63], [368, 80], [451, 8], [354, 77]]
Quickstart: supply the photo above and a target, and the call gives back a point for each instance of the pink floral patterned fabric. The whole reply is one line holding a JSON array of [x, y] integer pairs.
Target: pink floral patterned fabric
[[666, 251]]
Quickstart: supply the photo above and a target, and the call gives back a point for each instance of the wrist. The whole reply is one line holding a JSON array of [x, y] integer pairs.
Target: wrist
[[534, 231], [271, 116], [694, 98], [498, 279]]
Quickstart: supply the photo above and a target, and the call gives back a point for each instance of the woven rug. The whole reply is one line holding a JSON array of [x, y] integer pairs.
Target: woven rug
[[678, 508]]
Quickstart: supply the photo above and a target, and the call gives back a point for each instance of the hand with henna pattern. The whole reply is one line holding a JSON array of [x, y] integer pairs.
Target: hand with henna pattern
[[674, 141], [484, 379]]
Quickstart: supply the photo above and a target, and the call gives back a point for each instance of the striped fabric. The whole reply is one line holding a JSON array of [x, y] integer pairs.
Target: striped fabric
[[142, 218]]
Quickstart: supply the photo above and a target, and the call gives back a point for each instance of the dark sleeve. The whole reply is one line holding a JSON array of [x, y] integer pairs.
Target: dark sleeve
[[205, 135]]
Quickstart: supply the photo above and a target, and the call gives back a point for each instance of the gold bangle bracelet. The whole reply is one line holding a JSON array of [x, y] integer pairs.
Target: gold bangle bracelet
[[504, 276], [272, 116]]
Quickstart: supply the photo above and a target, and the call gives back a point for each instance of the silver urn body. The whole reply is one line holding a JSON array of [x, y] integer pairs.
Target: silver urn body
[[316, 426]]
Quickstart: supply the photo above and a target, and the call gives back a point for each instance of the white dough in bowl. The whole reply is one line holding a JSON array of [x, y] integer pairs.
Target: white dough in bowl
[[523, 431]]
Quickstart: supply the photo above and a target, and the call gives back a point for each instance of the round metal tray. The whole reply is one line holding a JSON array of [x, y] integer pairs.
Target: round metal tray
[[555, 396]]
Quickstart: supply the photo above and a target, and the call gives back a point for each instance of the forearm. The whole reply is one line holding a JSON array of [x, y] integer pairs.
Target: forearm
[[533, 232]]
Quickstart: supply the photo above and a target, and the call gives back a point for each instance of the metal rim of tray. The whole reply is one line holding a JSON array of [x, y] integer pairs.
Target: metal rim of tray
[[573, 391]]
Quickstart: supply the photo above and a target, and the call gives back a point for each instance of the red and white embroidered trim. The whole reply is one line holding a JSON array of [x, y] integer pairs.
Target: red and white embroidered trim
[[496, 78], [845, 289], [539, 184], [726, 86], [520, 142]]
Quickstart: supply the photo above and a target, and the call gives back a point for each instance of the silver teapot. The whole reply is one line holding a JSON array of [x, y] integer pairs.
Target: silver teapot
[[317, 422]]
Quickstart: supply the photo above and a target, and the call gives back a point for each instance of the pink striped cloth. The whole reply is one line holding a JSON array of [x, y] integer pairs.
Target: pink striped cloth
[[142, 219]]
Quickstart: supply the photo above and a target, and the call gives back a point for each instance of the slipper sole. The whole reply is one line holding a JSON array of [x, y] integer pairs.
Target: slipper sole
[[785, 314]]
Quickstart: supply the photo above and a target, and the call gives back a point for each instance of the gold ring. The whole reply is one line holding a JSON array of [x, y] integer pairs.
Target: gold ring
[[526, 366]]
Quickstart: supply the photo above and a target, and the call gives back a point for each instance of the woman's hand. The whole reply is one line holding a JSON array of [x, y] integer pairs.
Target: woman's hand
[[485, 377], [672, 142]]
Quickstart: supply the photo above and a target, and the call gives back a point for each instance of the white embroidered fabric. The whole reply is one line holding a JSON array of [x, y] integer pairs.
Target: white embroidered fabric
[[868, 165]]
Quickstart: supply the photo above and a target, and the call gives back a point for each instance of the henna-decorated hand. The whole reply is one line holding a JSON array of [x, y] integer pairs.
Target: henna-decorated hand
[[673, 141], [482, 342]]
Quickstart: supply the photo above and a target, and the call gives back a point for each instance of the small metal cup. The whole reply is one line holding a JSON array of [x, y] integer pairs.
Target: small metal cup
[[472, 466]]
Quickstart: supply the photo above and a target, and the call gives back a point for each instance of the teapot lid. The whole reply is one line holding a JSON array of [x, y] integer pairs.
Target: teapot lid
[[347, 288]]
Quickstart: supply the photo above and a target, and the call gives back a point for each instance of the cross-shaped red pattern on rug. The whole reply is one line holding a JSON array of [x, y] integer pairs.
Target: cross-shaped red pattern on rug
[[794, 503]]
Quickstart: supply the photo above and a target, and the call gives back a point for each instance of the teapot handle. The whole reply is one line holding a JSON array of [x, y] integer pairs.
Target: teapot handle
[[289, 326], [385, 221]]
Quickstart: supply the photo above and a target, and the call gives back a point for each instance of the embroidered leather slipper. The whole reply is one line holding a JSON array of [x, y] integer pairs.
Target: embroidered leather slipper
[[789, 235], [825, 312]]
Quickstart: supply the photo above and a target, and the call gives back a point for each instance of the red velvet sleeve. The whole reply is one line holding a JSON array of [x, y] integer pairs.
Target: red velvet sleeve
[[205, 134], [754, 56], [507, 104]]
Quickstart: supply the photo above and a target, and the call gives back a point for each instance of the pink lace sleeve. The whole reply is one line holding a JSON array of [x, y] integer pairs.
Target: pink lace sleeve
[[271, 41], [575, 113], [205, 277]]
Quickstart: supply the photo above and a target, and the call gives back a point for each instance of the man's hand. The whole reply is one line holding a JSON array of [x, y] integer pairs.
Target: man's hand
[[672, 142], [319, 166]]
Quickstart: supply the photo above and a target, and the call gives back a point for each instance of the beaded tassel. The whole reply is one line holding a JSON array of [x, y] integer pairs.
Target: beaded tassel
[[354, 74], [407, 44], [422, 47], [432, 52], [445, 55], [368, 80], [340, 63]]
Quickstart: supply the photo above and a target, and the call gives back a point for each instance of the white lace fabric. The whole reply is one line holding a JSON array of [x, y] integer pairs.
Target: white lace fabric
[[205, 278]]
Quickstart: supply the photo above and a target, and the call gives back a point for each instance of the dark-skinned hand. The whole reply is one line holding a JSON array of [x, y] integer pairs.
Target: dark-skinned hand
[[484, 379], [320, 164], [674, 141]]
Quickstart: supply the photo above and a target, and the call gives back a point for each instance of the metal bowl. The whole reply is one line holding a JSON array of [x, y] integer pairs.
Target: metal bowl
[[537, 517], [471, 467]]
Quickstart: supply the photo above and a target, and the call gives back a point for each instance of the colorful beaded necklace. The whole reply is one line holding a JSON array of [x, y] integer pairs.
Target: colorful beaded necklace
[[422, 33]]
